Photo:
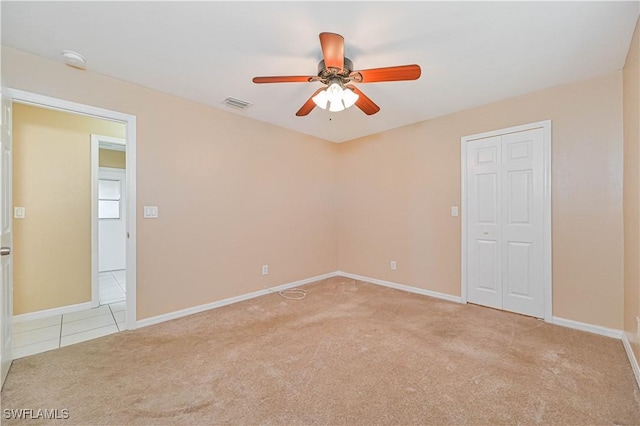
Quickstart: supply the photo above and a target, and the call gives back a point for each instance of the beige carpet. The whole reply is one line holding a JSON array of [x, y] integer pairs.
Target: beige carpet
[[349, 353]]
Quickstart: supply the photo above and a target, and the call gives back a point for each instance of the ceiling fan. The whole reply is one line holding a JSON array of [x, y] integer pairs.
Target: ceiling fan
[[337, 73]]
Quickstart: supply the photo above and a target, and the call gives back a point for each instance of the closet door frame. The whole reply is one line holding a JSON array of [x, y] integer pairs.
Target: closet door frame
[[547, 242]]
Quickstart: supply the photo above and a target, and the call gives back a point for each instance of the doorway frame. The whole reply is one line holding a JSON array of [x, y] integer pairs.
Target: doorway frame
[[95, 240], [545, 125], [29, 98]]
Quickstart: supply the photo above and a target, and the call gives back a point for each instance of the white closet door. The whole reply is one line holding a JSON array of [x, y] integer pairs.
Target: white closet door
[[484, 200], [522, 222], [505, 236]]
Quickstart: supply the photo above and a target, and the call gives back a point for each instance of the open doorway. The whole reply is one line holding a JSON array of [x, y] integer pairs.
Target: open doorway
[[49, 316], [109, 219]]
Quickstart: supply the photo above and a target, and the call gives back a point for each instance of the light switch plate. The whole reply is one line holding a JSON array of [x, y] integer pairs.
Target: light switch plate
[[454, 210], [150, 212], [18, 212]]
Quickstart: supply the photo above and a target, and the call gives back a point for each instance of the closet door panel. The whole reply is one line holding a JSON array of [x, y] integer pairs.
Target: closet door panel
[[484, 249], [522, 226]]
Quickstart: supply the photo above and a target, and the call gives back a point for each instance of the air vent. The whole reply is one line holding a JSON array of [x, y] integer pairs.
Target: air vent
[[237, 103]]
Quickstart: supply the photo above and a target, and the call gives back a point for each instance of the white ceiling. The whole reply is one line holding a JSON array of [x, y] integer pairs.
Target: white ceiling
[[471, 53]]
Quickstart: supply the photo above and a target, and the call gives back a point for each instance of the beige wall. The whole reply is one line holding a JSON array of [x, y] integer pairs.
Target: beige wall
[[233, 193], [631, 94], [111, 158], [242, 193], [52, 180], [397, 188]]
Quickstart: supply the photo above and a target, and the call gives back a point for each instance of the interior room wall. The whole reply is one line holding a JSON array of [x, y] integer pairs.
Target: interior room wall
[[52, 181], [397, 187], [233, 193], [112, 158], [631, 96]]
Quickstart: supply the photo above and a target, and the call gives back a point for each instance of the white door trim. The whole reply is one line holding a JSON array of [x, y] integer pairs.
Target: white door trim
[[95, 169], [130, 123], [548, 278], [95, 160]]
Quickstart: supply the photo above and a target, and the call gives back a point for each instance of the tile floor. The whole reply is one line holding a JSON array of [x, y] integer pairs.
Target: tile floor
[[112, 286], [45, 334], [41, 335]]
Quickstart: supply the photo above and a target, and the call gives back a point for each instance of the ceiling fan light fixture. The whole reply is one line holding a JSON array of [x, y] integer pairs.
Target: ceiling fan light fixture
[[334, 93], [349, 98], [336, 106], [336, 98], [321, 99]]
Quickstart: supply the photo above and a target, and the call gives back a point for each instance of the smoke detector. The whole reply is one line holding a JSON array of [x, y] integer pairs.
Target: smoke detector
[[73, 59]]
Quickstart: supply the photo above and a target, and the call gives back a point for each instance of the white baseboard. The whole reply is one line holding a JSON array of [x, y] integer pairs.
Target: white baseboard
[[632, 358], [596, 329], [403, 287], [201, 308], [52, 312]]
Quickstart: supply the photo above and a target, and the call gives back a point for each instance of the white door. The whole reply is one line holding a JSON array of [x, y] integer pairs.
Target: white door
[[522, 218], [505, 214], [484, 194], [6, 258], [112, 230]]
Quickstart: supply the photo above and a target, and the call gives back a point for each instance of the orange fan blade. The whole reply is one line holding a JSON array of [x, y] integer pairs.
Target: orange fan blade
[[364, 103], [332, 50], [285, 79], [375, 75], [309, 105]]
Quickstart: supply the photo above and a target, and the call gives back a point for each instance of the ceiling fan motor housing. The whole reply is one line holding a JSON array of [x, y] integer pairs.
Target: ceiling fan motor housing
[[327, 73]]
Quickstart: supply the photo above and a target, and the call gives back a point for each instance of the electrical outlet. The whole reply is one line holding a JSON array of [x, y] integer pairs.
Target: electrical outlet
[[265, 269], [454, 210], [394, 265]]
